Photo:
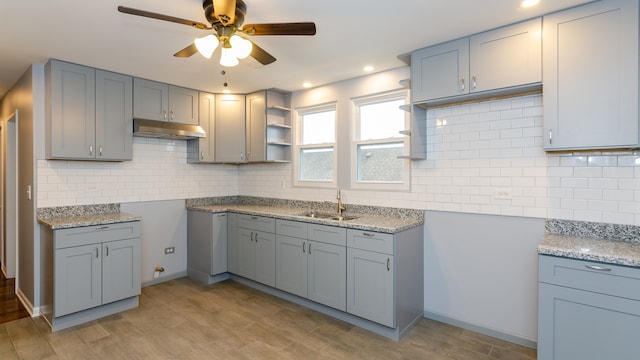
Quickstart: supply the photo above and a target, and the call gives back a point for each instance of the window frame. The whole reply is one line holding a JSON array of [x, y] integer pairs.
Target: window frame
[[357, 102], [298, 146]]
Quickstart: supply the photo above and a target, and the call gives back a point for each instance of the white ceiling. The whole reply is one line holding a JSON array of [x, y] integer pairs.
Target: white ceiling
[[350, 34]]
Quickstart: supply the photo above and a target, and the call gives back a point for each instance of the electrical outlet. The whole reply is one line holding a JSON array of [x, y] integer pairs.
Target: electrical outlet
[[169, 250]]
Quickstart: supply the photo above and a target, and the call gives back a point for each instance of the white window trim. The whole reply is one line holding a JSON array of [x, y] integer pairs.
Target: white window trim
[[405, 185], [299, 113]]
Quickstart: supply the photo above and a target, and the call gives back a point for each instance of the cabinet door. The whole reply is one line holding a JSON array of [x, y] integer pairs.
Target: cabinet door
[[114, 116], [327, 269], [246, 253], [150, 100], [202, 149], [575, 324], [230, 123], [256, 126], [78, 279], [508, 56], [440, 71], [70, 127], [591, 76], [370, 287], [120, 270], [291, 267], [183, 105], [218, 256], [265, 267]]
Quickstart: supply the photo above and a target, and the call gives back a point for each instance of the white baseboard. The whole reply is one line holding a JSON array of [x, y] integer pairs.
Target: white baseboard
[[33, 311]]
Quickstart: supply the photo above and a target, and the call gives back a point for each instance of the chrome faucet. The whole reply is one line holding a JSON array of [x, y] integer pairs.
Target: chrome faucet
[[341, 207]]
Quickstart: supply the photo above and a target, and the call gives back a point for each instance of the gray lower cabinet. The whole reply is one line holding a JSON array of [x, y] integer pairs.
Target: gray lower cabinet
[[88, 113], [311, 262], [92, 267], [255, 248], [206, 244], [370, 276], [591, 87], [587, 310]]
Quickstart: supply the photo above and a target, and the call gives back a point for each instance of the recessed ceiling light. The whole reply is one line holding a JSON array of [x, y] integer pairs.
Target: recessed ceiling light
[[368, 68], [306, 84], [529, 3]]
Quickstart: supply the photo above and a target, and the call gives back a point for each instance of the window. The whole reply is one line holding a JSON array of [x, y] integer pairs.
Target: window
[[315, 147], [378, 144]]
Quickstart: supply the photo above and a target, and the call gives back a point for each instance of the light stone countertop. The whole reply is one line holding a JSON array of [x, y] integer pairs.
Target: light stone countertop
[[618, 244], [379, 223], [72, 221]]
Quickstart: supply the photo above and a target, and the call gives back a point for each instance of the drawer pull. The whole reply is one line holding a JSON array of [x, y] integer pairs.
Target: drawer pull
[[368, 234], [254, 218], [102, 227], [599, 268]]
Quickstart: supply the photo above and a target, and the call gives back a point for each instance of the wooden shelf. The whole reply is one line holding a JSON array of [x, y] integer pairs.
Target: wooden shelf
[[278, 143], [281, 126]]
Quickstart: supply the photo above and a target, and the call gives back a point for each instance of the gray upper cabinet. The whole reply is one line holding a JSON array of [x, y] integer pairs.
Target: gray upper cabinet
[[202, 150], [162, 102], [500, 61], [268, 126], [591, 77], [88, 113], [229, 140]]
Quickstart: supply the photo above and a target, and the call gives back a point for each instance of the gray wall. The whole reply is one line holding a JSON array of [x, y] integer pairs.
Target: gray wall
[[21, 97]]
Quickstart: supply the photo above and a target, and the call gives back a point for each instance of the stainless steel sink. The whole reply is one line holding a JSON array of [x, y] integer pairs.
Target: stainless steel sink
[[343, 218], [323, 215], [318, 215]]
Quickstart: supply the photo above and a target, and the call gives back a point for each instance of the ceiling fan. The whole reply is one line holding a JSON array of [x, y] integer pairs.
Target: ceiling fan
[[226, 18]]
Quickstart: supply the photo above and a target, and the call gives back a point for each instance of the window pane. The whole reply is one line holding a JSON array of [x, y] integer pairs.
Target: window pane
[[316, 164], [380, 163], [382, 120], [319, 128]]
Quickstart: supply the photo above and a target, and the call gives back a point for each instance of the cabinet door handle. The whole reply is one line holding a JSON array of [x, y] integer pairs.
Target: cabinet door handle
[[256, 238], [388, 264], [90, 149], [309, 248], [462, 83], [368, 234], [164, 114], [171, 114], [550, 136], [107, 251], [251, 237], [303, 243], [474, 82], [97, 252], [100, 150], [202, 155], [222, 215], [596, 267]]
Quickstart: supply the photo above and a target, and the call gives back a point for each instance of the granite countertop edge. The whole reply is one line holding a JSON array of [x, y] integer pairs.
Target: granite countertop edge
[[73, 221], [385, 224], [591, 249]]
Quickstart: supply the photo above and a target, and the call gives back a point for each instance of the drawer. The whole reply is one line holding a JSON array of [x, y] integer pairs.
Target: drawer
[[291, 228], [257, 223], [87, 235], [592, 276], [327, 234], [370, 241]]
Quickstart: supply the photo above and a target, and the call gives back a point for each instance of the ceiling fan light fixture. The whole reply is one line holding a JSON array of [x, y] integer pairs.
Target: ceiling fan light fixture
[[206, 45], [228, 58], [241, 46]]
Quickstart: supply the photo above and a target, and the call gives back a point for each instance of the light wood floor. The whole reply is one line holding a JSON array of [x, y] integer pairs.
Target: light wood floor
[[180, 319]]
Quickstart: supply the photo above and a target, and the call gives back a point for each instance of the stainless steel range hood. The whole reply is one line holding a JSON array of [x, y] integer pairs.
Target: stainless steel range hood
[[166, 130]]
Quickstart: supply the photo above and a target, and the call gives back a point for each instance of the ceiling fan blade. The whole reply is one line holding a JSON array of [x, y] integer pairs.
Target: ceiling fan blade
[[225, 11], [186, 52], [261, 55], [300, 28], [195, 24]]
